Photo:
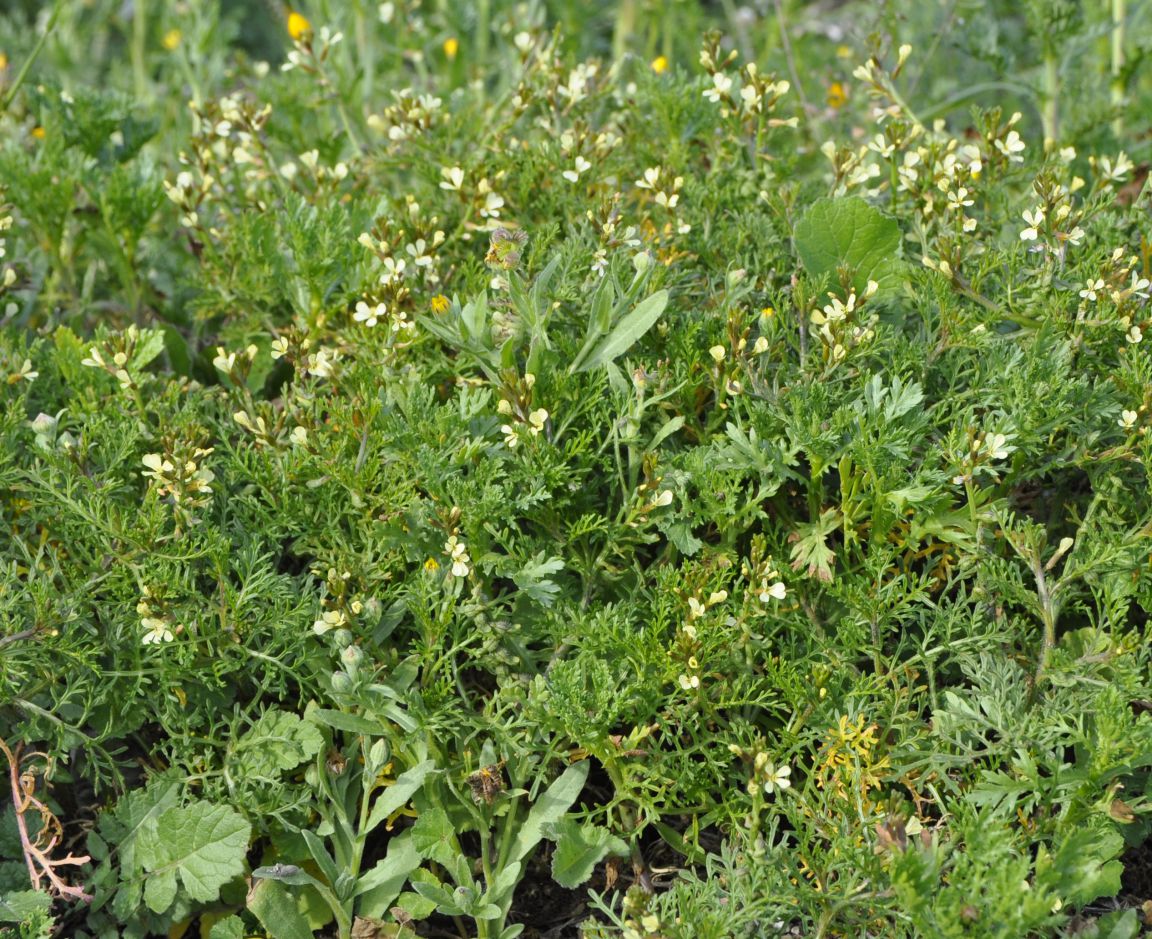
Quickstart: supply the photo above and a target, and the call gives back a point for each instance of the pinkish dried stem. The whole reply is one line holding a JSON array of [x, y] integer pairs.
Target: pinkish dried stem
[[36, 854]]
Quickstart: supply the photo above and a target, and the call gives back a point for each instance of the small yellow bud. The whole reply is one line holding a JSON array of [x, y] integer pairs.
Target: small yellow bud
[[3, 61], [451, 47], [171, 40], [660, 64], [298, 26], [837, 96]]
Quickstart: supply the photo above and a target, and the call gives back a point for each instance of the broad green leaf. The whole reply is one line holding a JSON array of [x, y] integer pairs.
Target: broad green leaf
[[277, 742], [445, 901], [625, 333], [349, 723], [506, 881], [231, 927], [19, 906], [202, 844], [433, 836], [670, 427], [378, 888], [396, 795], [136, 814], [274, 905], [549, 807], [848, 232], [579, 848], [415, 905], [320, 855], [1119, 924], [474, 318]]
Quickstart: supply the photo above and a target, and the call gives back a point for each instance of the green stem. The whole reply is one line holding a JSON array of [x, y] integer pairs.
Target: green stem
[[32, 56], [139, 41], [483, 27], [1119, 15], [1051, 113], [1047, 616], [366, 46], [625, 26]]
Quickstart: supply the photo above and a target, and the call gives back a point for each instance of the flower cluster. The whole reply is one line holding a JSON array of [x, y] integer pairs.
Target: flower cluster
[[746, 95], [339, 607], [984, 449], [613, 236], [767, 775], [516, 403], [1053, 223], [180, 475], [406, 256], [457, 553], [534, 425], [116, 355], [158, 622], [235, 366], [310, 50], [480, 197], [227, 139], [409, 115], [840, 327], [8, 275]]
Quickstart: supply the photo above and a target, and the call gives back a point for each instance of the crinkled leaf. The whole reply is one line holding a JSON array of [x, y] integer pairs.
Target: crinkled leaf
[[17, 907], [579, 848], [1083, 866], [231, 927], [277, 742], [415, 905], [432, 836], [203, 844]]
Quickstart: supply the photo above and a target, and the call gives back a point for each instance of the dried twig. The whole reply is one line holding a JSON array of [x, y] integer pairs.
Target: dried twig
[[37, 851]]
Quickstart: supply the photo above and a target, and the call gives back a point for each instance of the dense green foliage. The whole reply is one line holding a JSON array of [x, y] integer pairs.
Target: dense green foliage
[[501, 465]]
